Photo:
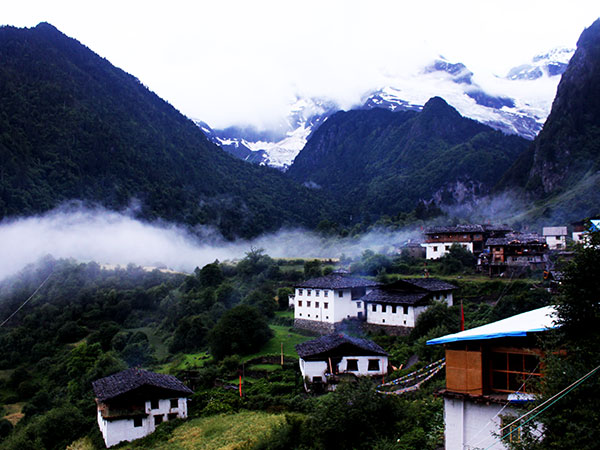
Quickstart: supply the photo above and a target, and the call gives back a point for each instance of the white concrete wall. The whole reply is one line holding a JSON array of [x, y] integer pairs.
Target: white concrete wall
[[338, 307], [556, 242], [363, 365], [388, 317], [311, 369], [578, 236], [435, 250], [115, 431], [470, 426]]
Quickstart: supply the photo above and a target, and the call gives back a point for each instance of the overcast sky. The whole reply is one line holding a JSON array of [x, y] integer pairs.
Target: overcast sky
[[233, 62]]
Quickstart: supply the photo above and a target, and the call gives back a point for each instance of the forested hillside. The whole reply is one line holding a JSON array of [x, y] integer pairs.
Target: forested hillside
[[378, 162], [73, 126]]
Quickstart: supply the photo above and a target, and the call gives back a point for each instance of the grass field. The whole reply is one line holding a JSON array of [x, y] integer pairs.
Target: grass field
[[221, 432], [281, 334]]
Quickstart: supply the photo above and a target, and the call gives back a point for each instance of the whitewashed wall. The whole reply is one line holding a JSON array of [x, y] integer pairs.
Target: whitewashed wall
[[115, 431], [311, 369], [338, 308], [435, 250], [470, 426]]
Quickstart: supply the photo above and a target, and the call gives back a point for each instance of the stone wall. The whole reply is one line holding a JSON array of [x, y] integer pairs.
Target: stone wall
[[350, 326]]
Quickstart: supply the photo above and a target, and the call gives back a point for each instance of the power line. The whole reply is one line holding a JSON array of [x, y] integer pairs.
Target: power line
[[26, 301], [552, 400]]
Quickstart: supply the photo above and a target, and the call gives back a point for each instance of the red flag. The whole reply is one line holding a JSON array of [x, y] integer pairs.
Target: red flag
[[462, 317], [240, 385]]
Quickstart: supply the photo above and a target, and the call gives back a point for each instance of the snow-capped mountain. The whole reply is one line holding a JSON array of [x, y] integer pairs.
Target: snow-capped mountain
[[549, 64], [517, 103], [275, 148]]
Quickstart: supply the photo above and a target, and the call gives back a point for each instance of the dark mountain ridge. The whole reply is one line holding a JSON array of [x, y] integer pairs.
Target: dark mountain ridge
[[381, 162], [73, 126], [561, 168]]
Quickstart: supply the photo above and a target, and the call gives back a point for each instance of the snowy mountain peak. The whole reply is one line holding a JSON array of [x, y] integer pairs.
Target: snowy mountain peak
[[549, 64]]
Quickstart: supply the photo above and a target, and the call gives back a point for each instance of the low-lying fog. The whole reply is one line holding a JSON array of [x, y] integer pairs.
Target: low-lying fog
[[109, 237]]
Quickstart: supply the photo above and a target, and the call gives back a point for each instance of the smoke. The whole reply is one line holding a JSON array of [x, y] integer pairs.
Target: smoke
[[107, 237]]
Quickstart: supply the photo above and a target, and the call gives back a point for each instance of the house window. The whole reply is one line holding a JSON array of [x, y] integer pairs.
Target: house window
[[358, 304], [394, 309], [352, 365], [514, 371], [374, 308], [435, 248], [308, 292], [137, 422], [383, 308], [299, 291], [325, 293], [373, 365], [171, 416], [447, 247], [327, 317], [308, 315], [405, 310], [317, 293], [299, 302], [174, 403], [158, 420], [316, 304], [308, 304], [325, 305], [340, 293], [300, 314], [153, 404], [317, 380]]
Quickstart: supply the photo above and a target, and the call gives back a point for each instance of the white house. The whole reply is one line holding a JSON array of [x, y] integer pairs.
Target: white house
[[400, 303], [439, 240], [132, 403], [324, 360], [556, 237], [319, 303], [490, 371]]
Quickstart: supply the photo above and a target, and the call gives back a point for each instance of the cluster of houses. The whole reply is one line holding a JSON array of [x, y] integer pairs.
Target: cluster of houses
[[322, 304], [499, 249]]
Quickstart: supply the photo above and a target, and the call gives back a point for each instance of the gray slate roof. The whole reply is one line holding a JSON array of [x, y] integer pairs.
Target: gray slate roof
[[469, 228], [429, 284], [330, 342], [337, 281], [131, 379], [516, 239], [394, 296]]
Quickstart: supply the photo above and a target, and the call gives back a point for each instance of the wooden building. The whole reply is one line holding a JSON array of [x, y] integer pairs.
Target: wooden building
[[515, 252], [490, 371]]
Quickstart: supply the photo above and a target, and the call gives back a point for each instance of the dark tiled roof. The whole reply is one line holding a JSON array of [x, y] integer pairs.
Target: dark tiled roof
[[395, 296], [337, 281], [429, 284], [332, 341], [130, 379], [517, 239], [470, 228]]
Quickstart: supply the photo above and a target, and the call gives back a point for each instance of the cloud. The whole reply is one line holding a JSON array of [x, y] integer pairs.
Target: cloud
[[239, 62], [107, 237]]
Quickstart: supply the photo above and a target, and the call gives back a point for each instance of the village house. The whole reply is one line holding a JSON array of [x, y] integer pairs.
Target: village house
[[326, 360], [438, 240], [490, 371], [132, 403], [556, 237], [320, 303], [399, 304], [513, 253], [583, 227]]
